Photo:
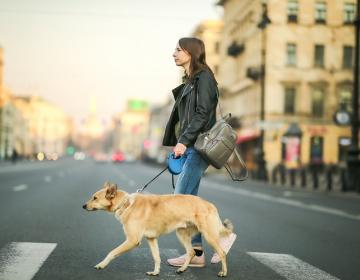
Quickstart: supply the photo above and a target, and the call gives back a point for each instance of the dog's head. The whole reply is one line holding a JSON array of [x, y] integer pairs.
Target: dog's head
[[102, 199]]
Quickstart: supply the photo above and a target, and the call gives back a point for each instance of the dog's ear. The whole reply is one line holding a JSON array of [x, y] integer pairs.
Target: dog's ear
[[106, 184], [111, 191]]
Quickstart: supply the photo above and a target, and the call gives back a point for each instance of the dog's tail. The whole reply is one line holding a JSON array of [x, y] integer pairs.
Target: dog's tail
[[227, 228]]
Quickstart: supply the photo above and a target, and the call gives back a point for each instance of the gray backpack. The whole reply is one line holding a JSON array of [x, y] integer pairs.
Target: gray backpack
[[217, 145]]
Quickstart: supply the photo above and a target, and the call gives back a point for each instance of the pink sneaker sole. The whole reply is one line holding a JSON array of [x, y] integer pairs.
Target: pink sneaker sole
[[195, 262], [226, 247]]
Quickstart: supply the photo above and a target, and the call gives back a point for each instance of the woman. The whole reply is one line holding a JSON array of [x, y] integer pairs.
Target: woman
[[194, 112]]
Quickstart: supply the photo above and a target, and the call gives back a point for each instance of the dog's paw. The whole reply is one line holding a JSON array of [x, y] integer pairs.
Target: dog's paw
[[180, 270], [100, 266], [152, 273], [222, 274]]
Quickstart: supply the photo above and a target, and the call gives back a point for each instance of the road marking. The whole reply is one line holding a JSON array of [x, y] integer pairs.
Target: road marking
[[20, 188], [290, 267], [287, 193], [285, 201], [47, 179], [21, 260]]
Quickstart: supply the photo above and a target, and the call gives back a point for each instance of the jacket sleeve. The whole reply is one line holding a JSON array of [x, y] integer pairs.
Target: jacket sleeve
[[206, 102]]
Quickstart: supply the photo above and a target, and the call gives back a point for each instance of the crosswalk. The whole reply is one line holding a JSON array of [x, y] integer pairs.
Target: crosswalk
[[290, 267], [22, 260]]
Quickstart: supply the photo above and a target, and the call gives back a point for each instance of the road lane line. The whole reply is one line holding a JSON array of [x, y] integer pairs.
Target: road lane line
[[20, 188], [21, 260], [47, 179], [286, 201], [290, 267]]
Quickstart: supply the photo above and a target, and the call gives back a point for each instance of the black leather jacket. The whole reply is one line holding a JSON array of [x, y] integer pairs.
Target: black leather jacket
[[197, 108]]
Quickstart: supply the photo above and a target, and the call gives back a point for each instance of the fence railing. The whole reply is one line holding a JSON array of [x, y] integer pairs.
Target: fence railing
[[324, 177]]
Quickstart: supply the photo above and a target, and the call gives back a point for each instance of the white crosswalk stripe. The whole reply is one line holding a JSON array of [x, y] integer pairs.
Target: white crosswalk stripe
[[290, 267], [21, 260], [20, 188]]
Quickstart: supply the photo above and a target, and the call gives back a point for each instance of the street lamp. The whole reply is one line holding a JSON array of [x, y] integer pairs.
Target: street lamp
[[261, 163], [353, 161]]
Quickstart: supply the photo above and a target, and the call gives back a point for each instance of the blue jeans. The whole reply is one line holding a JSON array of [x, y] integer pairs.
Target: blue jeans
[[189, 180]]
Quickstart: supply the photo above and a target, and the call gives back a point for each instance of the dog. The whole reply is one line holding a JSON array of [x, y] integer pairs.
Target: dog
[[150, 216]]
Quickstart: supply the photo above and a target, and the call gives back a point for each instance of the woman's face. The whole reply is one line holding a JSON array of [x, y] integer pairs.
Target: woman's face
[[181, 56]]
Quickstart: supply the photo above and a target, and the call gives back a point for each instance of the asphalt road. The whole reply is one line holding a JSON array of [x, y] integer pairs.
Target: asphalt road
[[282, 233]]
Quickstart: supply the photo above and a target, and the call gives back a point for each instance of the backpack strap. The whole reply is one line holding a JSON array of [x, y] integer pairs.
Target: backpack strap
[[243, 168]]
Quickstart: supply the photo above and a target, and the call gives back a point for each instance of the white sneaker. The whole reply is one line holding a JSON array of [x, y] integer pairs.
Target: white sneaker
[[225, 244]]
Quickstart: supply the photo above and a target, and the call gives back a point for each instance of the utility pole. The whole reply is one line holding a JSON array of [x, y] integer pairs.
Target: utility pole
[[353, 161], [261, 163]]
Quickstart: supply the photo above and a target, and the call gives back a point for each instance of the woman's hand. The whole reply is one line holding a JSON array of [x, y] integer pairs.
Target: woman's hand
[[179, 149]]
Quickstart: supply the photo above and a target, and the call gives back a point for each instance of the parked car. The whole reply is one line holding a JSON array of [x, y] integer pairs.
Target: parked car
[[101, 157], [79, 155], [118, 157]]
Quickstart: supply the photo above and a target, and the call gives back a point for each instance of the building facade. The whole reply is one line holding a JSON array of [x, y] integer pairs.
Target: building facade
[[45, 128], [7, 115], [131, 128], [209, 31], [309, 47], [153, 149]]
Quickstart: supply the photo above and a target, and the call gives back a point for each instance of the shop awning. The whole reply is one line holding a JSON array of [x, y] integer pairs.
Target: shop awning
[[293, 130], [246, 135]]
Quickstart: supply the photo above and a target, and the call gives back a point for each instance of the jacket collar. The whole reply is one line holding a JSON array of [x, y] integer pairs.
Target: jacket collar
[[176, 91]]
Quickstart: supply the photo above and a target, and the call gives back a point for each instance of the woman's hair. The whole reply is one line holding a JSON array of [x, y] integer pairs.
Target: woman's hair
[[196, 48]]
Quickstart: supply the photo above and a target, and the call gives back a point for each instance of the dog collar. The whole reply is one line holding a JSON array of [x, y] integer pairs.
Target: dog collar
[[122, 203]]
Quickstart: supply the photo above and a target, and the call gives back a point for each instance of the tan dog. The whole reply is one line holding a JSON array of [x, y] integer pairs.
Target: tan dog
[[150, 216]]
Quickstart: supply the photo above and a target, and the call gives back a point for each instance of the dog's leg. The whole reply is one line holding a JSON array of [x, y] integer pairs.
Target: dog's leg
[[214, 241], [184, 235], [124, 247], [154, 247]]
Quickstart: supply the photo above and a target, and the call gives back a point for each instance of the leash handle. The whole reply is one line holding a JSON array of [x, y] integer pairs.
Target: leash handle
[[143, 188]]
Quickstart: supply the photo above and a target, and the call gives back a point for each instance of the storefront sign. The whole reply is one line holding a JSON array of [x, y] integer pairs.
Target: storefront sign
[[292, 152]]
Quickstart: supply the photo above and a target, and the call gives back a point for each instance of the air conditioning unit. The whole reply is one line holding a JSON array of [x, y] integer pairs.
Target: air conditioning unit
[[235, 49], [253, 73]]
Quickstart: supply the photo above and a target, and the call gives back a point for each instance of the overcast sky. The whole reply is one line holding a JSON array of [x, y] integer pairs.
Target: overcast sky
[[72, 51]]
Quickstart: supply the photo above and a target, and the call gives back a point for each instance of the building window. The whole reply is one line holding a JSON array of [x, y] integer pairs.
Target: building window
[[217, 47], [320, 12], [349, 13], [345, 96], [292, 10], [289, 104], [291, 55], [343, 144], [348, 57], [216, 69], [319, 56], [317, 102]]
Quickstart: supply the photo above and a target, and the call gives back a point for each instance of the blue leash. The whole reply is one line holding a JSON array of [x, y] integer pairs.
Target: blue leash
[[174, 165]]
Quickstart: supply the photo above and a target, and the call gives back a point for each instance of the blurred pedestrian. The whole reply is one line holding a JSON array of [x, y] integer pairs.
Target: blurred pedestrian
[[14, 156], [194, 112]]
